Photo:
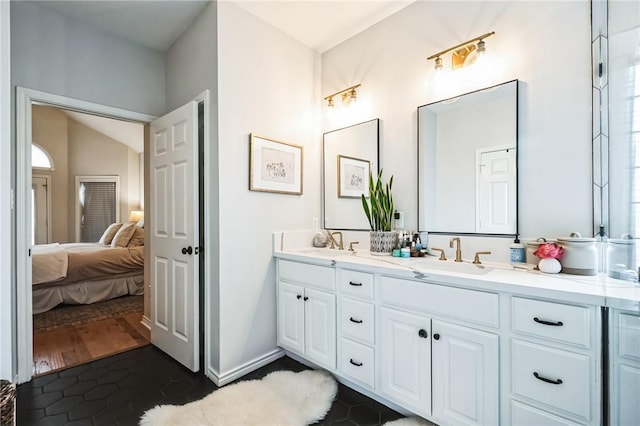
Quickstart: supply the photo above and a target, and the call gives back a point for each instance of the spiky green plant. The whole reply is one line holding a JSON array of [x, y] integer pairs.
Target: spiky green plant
[[379, 208]]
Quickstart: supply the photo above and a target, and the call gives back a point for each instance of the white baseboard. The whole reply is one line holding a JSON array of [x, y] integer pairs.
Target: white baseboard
[[246, 368], [146, 322]]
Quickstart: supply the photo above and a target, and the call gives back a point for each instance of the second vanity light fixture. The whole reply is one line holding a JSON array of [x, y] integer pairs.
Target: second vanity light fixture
[[347, 95], [461, 51]]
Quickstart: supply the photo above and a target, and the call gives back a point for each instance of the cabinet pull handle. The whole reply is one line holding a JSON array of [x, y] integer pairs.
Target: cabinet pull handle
[[544, 379], [553, 324], [306, 298], [357, 364], [423, 333], [298, 297], [436, 336], [355, 320], [355, 284]]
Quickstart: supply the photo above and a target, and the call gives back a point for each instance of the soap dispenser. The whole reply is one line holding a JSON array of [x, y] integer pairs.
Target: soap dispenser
[[517, 252]]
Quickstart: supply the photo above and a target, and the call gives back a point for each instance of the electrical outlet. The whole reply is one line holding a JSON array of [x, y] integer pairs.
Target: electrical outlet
[[399, 220]]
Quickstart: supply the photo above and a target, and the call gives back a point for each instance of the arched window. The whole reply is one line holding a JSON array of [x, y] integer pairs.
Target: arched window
[[40, 159]]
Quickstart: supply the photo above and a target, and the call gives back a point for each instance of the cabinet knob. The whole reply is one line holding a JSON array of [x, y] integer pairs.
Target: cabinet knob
[[423, 333], [306, 298], [299, 297], [436, 336]]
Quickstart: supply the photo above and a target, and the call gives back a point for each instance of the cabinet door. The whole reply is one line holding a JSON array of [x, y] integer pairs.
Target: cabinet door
[[628, 390], [405, 370], [291, 317], [320, 327], [465, 375]]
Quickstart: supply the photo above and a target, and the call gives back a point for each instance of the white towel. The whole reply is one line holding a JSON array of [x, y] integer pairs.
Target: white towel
[[49, 263]]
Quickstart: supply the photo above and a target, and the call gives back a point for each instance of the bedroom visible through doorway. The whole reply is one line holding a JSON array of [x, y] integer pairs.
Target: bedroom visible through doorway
[[88, 271]]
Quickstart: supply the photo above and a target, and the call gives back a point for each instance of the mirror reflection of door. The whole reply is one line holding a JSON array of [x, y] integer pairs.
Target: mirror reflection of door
[[496, 190], [40, 209]]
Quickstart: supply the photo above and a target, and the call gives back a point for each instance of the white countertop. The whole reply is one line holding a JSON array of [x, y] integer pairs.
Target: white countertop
[[490, 276]]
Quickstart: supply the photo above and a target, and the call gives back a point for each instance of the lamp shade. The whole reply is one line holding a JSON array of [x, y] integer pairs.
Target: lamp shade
[[136, 215]]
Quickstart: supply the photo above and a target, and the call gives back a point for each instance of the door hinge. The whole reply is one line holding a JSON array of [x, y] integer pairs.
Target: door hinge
[[29, 252], [600, 69]]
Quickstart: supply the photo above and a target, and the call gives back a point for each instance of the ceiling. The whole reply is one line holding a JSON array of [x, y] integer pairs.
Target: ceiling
[[319, 25], [157, 24]]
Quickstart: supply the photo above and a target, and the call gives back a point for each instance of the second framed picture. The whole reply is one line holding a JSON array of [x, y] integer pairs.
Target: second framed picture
[[353, 177]]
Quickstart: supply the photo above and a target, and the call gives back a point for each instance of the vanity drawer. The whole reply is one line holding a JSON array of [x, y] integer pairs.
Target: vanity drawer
[[563, 378], [555, 321], [471, 305], [629, 336], [357, 320], [356, 283], [357, 362], [523, 415], [309, 275]]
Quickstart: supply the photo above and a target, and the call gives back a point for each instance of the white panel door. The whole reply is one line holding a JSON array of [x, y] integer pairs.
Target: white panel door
[[496, 192], [291, 317], [320, 327], [174, 235], [406, 359], [465, 375]]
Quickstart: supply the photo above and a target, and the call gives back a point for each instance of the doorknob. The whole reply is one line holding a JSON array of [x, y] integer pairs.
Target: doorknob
[[187, 250]]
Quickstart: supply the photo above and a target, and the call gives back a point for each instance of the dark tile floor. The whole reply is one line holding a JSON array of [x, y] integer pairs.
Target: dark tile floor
[[117, 390]]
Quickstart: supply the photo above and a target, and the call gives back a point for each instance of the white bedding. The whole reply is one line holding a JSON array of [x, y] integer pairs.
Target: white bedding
[[49, 263]]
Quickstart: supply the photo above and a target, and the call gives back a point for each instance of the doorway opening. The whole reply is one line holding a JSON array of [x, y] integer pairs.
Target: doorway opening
[[83, 310]]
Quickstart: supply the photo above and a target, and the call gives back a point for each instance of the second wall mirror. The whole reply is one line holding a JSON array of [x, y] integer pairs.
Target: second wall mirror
[[349, 154], [467, 163]]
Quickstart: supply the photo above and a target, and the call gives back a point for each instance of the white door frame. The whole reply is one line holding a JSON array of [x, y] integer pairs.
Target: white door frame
[[25, 99], [47, 178]]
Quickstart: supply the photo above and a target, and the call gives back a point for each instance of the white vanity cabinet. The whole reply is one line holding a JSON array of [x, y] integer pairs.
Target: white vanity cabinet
[[427, 358], [624, 338], [307, 311], [555, 363]]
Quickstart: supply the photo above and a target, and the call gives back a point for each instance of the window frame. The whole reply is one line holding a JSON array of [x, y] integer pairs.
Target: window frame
[[94, 178]]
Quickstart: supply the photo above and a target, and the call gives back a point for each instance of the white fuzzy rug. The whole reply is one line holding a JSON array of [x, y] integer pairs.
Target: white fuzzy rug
[[280, 398]]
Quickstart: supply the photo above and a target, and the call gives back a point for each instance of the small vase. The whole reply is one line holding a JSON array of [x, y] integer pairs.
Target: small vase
[[549, 266]]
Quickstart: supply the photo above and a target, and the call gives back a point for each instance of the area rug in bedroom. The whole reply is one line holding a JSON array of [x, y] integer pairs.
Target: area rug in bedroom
[[280, 398], [71, 315]]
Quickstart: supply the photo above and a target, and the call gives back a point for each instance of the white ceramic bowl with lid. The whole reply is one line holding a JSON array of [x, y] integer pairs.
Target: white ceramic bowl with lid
[[580, 255]]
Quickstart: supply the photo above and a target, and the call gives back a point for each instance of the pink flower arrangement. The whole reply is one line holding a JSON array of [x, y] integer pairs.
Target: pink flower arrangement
[[549, 251]]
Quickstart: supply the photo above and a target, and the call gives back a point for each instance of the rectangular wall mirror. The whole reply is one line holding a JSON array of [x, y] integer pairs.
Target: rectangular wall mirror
[[467, 163], [348, 155]]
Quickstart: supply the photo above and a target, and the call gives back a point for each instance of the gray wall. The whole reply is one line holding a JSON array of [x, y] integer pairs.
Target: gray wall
[[57, 55]]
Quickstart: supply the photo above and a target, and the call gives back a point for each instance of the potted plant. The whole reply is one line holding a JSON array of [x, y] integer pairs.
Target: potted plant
[[379, 210]]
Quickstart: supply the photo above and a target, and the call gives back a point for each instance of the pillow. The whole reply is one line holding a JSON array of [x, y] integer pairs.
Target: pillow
[[138, 238], [109, 233], [140, 223], [123, 236]]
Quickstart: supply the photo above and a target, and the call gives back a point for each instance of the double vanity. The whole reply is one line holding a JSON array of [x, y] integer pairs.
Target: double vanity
[[458, 343]]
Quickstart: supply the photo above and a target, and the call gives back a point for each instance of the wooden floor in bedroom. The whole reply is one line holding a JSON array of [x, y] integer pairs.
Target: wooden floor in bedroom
[[69, 346]]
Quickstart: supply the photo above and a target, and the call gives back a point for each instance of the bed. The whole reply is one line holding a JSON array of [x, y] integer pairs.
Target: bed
[[84, 273]]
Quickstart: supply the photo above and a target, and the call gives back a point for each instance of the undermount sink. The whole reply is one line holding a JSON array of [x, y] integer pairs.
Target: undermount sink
[[451, 266]]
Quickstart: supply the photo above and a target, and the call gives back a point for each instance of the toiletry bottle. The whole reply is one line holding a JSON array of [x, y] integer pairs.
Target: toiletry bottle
[[517, 252]]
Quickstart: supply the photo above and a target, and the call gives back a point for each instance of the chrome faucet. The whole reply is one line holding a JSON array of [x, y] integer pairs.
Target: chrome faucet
[[458, 250], [333, 241]]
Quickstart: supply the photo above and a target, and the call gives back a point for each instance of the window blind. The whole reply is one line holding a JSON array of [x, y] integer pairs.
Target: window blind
[[97, 209]]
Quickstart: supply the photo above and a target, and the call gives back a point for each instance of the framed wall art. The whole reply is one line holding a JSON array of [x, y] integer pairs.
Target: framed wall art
[[275, 166], [353, 177]]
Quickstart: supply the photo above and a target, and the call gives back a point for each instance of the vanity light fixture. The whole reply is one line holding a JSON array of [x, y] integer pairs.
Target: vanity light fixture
[[461, 51], [348, 95]]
